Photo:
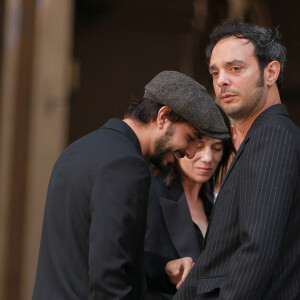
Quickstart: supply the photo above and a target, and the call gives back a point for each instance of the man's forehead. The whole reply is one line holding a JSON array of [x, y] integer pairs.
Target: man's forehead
[[233, 43], [193, 130], [234, 39], [190, 129], [231, 49], [197, 133]]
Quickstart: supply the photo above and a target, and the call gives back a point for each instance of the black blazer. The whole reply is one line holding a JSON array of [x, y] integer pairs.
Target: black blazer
[[170, 230], [252, 246], [93, 230]]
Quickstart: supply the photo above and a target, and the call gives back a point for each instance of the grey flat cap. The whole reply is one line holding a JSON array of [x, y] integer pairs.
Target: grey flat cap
[[190, 100]]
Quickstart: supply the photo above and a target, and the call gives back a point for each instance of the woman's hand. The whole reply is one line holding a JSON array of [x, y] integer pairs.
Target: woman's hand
[[178, 270]]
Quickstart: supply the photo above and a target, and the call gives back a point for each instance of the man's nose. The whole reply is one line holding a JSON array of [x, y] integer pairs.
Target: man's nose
[[223, 79], [191, 150]]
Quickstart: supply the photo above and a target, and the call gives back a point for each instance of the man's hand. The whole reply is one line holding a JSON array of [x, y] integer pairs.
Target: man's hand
[[178, 270]]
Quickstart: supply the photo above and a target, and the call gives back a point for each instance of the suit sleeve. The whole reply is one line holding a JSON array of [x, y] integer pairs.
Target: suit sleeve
[[267, 183], [157, 278], [118, 214]]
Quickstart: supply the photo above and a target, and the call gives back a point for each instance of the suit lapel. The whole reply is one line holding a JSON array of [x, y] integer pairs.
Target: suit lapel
[[180, 226], [241, 149], [239, 152], [261, 119]]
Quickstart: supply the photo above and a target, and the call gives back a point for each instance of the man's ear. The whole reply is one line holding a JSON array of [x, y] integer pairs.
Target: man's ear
[[162, 118], [272, 71]]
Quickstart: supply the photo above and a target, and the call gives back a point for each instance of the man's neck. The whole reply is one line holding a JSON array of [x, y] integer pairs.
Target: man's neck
[[143, 133], [243, 125]]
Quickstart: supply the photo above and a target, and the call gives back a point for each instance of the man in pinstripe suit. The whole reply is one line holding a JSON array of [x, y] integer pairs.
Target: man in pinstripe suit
[[252, 245]]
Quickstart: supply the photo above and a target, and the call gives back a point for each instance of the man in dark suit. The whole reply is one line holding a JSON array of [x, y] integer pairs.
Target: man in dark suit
[[252, 245], [93, 231]]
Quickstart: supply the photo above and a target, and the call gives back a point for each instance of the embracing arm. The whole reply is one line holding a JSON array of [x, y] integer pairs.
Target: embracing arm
[[118, 214]]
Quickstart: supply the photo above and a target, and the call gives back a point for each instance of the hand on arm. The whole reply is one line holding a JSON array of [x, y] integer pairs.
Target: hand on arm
[[178, 270]]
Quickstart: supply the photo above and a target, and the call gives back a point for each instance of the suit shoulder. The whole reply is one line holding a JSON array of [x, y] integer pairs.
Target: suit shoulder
[[157, 189], [275, 131], [157, 182], [98, 151], [273, 143]]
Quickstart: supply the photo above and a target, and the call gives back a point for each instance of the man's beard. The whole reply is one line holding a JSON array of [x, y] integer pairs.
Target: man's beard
[[161, 149], [261, 80], [237, 111]]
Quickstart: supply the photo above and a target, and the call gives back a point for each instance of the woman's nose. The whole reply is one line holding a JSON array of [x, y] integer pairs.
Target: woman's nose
[[206, 155]]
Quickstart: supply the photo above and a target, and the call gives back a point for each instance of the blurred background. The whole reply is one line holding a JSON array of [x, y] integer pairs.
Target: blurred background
[[66, 66]]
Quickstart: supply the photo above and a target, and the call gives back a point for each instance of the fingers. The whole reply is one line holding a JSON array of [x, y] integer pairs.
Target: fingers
[[173, 268], [186, 266], [178, 270]]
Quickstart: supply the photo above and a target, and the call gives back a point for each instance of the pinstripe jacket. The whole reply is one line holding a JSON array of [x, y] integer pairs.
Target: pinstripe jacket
[[252, 246]]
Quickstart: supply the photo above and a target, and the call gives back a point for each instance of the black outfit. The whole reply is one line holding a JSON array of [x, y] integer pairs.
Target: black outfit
[[94, 222], [252, 245], [170, 230]]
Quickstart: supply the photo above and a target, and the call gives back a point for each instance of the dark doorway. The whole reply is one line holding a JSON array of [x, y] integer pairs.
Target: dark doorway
[[120, 46]]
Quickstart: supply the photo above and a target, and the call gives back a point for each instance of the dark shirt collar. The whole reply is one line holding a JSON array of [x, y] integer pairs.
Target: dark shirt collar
[[124, 128]]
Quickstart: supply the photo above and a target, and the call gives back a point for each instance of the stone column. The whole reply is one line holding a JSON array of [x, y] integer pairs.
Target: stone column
[[34, 116]]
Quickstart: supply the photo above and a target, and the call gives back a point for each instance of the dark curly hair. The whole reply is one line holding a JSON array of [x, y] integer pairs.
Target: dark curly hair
[[265, 40], [145, 111]]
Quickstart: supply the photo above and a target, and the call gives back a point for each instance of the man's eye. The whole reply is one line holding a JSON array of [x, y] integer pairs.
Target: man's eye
[[179, 154], [214, 74], [235, 68], [190, 138]]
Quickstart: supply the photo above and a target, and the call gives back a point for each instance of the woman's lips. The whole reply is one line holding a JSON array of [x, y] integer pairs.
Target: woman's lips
[[204, 170]]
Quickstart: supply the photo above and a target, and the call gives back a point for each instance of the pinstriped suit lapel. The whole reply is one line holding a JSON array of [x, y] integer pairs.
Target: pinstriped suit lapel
[[262, 118], [239, 152]]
